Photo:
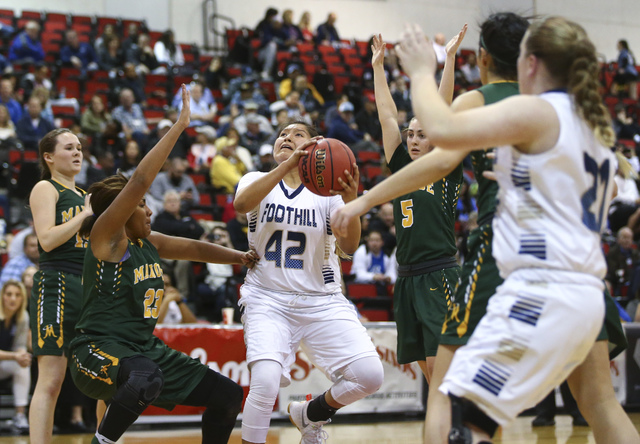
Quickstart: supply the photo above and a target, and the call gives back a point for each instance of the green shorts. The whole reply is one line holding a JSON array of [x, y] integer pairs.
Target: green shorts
[[479, 279], [612, 330], [420, 305], [54, 309], [95, 362]]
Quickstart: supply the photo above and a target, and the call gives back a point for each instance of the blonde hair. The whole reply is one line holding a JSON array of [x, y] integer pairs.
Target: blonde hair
[[20, 313], [570, 57]]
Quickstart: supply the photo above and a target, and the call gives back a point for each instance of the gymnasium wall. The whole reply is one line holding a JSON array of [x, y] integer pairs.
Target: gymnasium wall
[[605, 20]]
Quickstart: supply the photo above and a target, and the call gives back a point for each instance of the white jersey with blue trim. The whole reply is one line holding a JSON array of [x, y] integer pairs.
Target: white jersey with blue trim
[[290, 230], [553, 206]]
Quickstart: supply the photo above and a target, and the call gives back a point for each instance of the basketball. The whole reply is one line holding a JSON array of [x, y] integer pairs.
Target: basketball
[[324, 164]]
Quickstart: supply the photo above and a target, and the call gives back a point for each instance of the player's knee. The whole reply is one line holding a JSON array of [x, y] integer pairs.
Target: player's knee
[[464, 412], [141, 382], [265, 379], [372, 379]]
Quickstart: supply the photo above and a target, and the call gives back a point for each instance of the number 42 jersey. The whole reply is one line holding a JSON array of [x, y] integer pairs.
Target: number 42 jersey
[[553, 206], [290, 230]]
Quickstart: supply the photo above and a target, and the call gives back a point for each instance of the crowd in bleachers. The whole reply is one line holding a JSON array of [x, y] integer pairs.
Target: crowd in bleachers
[[115, 83]]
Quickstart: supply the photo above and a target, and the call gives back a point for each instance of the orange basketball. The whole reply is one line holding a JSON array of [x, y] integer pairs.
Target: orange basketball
[[326, 162]]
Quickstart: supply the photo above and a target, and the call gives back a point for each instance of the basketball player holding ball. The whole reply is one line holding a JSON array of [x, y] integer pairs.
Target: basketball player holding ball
[[293, 297]]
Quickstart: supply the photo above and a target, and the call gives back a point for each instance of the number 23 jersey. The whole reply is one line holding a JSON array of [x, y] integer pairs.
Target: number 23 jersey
[[552, 206], [290, 230]]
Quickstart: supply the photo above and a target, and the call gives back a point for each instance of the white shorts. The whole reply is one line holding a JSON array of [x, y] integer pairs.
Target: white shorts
[[531, 338], [325, 327]]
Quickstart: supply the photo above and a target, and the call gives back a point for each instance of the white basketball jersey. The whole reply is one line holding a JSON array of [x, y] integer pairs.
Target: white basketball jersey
[[291, 232], [553, 206]]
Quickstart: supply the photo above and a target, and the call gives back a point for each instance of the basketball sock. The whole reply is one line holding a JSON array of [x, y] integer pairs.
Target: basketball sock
[[319, 410]]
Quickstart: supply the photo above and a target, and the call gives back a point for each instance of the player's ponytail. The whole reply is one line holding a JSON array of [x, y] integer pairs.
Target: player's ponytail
[[103, 193], [570, 58]]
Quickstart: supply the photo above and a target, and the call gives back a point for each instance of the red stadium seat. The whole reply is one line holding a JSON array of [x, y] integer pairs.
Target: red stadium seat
[[362, 290]]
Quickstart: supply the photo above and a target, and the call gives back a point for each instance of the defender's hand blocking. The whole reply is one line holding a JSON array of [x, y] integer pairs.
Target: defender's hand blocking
[[185, 114], [454, 43], [249, 258], [377, 49], [344, 216], [416, 52]]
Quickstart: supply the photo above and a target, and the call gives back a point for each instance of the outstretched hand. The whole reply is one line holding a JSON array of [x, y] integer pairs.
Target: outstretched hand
[[349, 189], [344, 216], [249, 258], [185, 114], [416, 52], [454, 43], [378, 47]]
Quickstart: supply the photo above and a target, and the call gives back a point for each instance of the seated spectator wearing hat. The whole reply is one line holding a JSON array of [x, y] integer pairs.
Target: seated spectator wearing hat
[[295, 108], [180, 148], [26, 47], [251, 109], [266, 162], [253, 137], [78, 54], [227, 168], [344, 128], [202, 112], [32, 127], [248, 92], [203, 150]]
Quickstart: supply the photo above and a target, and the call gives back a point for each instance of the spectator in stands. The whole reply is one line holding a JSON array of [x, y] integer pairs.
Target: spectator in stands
[[344, 128], [266, 21], [39, 77], [295, 108], [131, 157], [107, 32], [174, 309], [78, 54], [216, 76], [42, 94], [250, 109], [110, 55], [292, 32], [327, 33], [7, 99], [383, 223], [400, 93], [272, 38], [622, 260], [142, 56], [627, 75], [180, 148], [32, 127], [305, 27], [131, 37], [265, 156], [202, 112], [219, 288], [167, 51], [176, 179], [227, 167], [238, 227], [309, 95], [130, 115], [203, 150], [625, 206], [174, 221], [15, 361], [130, 79], [439, 42], [253, 138], [624, 125], [471, 71], [248, 92], [103, 167], [286, 84], [95, 118], [14, 268], [7, 128], [26, 47], [372, 266], [5, 66], [367, 118]]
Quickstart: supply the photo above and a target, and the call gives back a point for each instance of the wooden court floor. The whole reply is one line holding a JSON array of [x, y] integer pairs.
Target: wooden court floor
[[405, 432]]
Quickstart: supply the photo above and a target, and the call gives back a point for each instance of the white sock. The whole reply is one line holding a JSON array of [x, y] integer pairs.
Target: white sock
[[102, 440]]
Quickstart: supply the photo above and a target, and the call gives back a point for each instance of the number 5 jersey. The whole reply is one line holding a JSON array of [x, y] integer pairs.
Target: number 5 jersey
[[553, 206], [290, 230]]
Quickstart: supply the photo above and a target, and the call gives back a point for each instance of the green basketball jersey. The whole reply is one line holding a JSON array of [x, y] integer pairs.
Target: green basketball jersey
[[122, 299], [69, 204], [425, 219], [488, 189]]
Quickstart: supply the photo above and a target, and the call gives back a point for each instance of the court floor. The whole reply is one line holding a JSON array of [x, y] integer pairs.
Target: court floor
[[403, 432]]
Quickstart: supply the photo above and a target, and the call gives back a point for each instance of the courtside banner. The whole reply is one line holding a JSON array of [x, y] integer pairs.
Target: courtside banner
[[222, 349], [400, 392]]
